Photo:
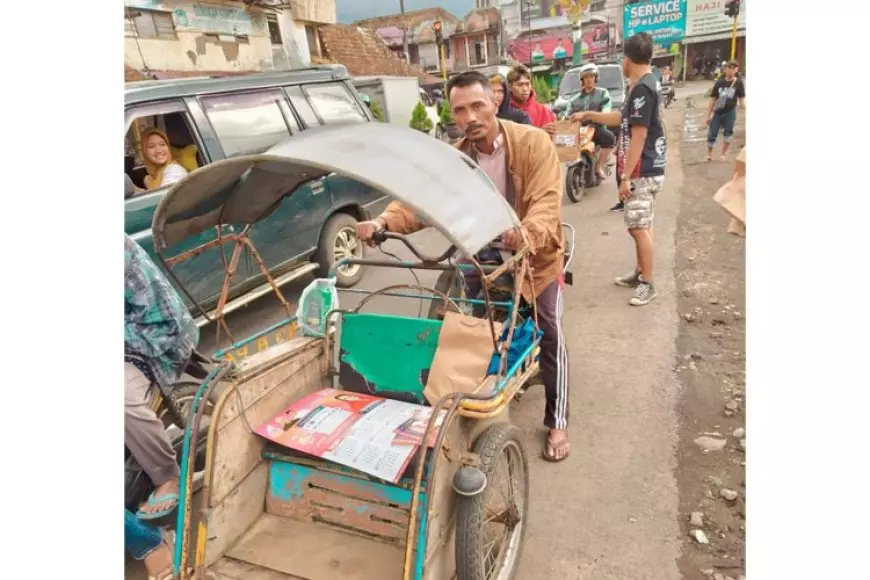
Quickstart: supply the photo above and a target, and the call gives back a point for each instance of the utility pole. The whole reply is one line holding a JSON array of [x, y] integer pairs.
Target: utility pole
[[575, 9], [404, 32], [732, 9], [439, 44]]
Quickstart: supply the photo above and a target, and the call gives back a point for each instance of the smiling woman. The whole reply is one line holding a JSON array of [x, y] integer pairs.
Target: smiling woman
[[162, 168]]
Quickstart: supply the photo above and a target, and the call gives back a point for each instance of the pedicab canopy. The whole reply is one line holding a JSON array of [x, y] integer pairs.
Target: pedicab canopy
[[444, 187]]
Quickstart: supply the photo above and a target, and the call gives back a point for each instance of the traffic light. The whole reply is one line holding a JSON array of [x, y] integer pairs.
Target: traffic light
[[436, 26], [732, 8]]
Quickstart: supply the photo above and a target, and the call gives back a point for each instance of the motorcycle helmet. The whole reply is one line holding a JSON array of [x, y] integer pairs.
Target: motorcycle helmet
[[590, 68]]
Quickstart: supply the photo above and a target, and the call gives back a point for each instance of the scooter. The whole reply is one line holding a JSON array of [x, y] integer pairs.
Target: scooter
[[172, 409], [668, 93], [580, 173]]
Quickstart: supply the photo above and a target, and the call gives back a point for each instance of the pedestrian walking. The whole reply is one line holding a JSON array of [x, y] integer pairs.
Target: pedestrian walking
[[727, 93]]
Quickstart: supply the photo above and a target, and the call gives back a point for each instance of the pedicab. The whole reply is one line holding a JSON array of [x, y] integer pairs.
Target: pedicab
[[456, 504]]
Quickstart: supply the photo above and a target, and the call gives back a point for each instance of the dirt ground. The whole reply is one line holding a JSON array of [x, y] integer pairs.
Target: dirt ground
[[711, 347]]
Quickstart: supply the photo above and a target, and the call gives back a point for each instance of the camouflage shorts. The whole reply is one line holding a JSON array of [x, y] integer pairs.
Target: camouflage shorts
[[640, 206]]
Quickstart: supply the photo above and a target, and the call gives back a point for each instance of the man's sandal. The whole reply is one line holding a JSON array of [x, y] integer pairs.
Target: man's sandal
[[169, 575], [557, 447], [150, 517]]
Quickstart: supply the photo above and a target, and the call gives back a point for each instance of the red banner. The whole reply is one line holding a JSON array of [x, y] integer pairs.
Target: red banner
[[555, 44]]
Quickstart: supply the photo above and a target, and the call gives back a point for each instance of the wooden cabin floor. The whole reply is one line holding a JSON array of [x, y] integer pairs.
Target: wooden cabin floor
[[278, 548]]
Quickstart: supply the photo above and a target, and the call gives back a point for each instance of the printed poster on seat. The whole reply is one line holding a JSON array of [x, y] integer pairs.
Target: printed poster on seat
[[371, 434]]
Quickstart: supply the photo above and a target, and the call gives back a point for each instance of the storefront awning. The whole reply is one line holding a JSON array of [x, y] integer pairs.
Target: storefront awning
[[712, 37]]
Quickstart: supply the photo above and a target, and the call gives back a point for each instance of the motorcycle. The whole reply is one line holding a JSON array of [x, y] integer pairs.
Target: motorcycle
[[172, 409], [668, 93], [580, 173]]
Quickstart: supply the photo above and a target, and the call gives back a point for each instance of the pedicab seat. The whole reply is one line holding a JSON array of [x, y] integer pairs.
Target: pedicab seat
[[386, 355]]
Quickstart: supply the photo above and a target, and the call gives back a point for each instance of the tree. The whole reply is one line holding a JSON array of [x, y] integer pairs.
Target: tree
[[543, 90], [446, 117], [376, 111], [420, 119]]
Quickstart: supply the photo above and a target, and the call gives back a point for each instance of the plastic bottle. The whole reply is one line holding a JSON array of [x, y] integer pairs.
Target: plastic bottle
[[315, 303]]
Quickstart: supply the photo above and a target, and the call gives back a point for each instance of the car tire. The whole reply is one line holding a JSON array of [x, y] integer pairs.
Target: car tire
[[338, 240], [439, 132]]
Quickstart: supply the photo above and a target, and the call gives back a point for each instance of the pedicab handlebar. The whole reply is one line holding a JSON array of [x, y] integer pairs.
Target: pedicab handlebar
[[382, 236]]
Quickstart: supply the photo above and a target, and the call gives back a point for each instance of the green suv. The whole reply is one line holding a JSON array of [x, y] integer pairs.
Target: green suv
[[209, 119]]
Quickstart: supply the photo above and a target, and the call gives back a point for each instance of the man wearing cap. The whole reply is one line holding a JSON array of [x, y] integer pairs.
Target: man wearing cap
[[594, 98], [722, 112]]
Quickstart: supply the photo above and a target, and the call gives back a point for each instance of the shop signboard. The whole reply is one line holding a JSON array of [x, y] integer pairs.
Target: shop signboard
[[705, 17], [664, 20]]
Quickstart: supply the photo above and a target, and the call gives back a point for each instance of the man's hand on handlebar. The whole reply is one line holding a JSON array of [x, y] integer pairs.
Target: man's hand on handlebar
[[581, 116], [365, 231], [512, 238]]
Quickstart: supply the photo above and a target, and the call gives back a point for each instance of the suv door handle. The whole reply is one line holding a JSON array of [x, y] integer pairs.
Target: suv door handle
[[317, 186]]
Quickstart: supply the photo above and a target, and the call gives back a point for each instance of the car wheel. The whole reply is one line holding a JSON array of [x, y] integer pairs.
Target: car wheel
[[339, 241], [439, 132]]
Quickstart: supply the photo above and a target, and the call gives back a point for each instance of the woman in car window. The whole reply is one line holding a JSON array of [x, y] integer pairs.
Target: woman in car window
[[162, 169]]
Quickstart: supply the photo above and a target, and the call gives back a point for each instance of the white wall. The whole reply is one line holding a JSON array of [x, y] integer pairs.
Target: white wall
[[196, 48]]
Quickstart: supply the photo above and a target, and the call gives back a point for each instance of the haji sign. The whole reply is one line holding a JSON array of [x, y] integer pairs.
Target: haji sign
[[664, 20], [708, 17]]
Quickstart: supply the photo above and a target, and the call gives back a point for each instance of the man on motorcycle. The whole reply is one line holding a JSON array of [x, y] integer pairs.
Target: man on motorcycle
[[593, 98], [159, 339], [522, 162]]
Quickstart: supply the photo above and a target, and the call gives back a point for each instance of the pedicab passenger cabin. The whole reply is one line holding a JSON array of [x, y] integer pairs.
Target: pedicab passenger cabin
[[339, 457]]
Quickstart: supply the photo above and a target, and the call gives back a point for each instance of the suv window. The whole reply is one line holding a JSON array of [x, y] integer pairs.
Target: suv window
[[302, 106], [173, 121], [247, 123], [334, 104]]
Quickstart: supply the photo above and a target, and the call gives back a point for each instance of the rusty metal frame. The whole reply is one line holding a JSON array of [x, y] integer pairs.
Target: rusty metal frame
[[240, 241]]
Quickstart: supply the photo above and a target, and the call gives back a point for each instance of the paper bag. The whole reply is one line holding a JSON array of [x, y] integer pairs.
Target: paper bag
[[462, 356], [567, 140]]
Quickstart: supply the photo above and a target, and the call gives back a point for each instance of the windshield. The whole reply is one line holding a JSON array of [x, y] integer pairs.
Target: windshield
[[609, 77]]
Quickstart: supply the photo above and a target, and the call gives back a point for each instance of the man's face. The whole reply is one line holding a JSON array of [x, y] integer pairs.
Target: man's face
[[521, 89], [730, 71], [626, 67], [588, 82], [473, 110]]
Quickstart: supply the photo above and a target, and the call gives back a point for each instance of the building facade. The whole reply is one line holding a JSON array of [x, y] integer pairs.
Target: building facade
[[415, 29], [709, 31], [185, 38], [477, 40]]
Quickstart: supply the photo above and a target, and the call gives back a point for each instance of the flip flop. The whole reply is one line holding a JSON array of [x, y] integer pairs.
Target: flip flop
[[151, 516], [554, 458]]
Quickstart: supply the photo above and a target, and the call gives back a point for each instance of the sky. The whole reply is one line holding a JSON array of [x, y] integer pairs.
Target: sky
[[352, 10]]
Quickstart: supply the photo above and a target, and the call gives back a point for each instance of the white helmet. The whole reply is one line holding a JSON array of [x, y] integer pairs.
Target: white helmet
[[590, 68]]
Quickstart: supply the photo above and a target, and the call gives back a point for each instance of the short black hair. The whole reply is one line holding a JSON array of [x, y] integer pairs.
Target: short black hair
[[467, 79], [517, 72], [639, 48]]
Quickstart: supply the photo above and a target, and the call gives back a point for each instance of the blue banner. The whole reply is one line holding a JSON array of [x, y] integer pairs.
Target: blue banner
[[664, 20]]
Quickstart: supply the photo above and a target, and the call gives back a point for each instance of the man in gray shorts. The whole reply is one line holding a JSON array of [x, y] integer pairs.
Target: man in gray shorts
[[641, 157]]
